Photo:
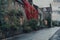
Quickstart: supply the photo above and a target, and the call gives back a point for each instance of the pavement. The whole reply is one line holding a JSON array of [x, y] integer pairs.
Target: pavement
[[56, 36], [43, 34]]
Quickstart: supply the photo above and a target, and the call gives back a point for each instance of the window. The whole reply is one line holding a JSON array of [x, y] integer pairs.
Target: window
[[56, 0], [30, 1]]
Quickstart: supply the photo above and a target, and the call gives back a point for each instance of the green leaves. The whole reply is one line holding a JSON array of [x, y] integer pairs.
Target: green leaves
[[11, 19], [32, 24]]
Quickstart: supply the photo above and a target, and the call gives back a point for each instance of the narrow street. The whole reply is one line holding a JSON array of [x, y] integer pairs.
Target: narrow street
[[20, 16], [43, 34]]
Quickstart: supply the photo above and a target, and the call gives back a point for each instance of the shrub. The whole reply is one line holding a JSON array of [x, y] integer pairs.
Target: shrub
[[26, 27], [33, 24], [10, 22]]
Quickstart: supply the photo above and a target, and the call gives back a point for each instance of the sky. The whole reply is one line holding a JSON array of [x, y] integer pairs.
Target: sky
[[42, 3]]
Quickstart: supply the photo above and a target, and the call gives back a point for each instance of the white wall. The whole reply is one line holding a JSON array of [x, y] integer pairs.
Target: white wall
[[55, 16], [55, 6], [42, 3]]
